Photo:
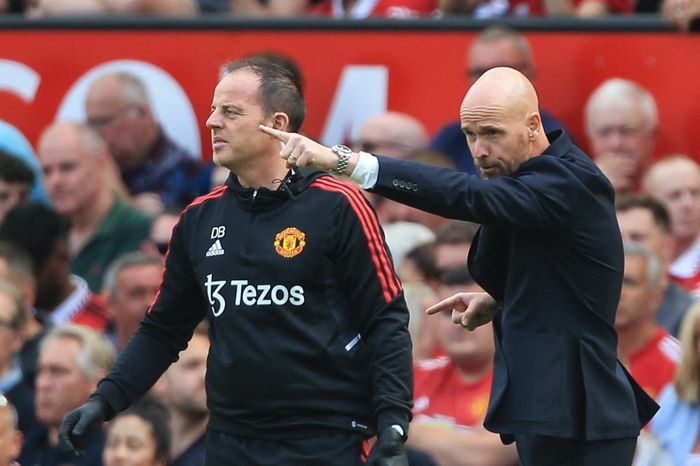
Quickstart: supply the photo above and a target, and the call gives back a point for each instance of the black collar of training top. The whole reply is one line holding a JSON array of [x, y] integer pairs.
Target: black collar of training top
[[295, 181]]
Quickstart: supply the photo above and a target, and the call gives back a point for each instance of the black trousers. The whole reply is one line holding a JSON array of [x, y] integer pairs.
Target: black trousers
[[337, 448], [541, 450]]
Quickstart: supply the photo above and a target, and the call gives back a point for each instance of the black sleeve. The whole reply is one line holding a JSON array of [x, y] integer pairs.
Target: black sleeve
[[165, 330], [366, 271], [538, 195]]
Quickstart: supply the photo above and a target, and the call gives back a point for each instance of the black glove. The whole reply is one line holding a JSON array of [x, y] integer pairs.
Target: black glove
[[389, 449], [80, 424]]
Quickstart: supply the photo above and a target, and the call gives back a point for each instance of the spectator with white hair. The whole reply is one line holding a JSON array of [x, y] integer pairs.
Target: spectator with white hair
[[72, 359], [130, 286], [648, 351], [621, 122], [155, 169]]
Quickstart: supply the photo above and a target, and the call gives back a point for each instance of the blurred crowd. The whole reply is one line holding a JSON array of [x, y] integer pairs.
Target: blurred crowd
[[679, 13], [82, 240]]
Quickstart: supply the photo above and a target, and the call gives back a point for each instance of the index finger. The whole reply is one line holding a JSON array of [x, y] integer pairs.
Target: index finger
[[281, 136], [444, 305]]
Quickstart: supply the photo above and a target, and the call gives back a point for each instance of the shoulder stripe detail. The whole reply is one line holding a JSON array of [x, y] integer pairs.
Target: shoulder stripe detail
[[218, 192], [387, 278]]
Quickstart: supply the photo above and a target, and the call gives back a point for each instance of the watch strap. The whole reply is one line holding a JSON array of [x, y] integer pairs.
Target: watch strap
[[343, 154]]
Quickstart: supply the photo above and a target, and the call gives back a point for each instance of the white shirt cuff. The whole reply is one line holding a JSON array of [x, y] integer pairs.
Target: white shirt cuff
[[366, 171]]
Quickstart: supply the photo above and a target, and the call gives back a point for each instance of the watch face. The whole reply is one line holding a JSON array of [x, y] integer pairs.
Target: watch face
[[341, 149]]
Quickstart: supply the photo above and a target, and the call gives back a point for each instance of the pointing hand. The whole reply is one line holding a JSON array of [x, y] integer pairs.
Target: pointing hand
[[300, 151], [470, 310]]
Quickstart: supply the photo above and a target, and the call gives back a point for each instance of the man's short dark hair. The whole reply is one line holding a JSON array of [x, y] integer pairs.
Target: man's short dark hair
[[287, 63], [14, 170], [36, 228], [278, 91], [642, 201]]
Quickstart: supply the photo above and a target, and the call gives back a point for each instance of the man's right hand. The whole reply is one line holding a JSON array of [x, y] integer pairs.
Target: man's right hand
[[300, 151], [621, 170], [470, 310], [80, 424]]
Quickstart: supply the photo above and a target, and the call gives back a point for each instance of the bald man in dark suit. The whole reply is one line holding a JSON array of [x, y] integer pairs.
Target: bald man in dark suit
[[549, 256]]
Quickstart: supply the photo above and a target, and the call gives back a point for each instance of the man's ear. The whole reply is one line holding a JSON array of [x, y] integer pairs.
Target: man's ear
[[280, 121], [534, 125]]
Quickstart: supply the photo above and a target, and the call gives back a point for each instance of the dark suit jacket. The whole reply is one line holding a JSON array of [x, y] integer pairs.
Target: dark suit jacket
[[550, 252]]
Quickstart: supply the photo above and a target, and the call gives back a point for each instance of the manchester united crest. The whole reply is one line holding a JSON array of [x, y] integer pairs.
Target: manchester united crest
[[289, 242]]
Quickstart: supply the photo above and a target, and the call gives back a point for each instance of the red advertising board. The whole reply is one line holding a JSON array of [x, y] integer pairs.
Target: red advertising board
[[349, 73]]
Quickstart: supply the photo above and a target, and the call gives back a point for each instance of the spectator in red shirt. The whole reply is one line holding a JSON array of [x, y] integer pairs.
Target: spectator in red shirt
[[451, 392], [60, 295], [650, 353]]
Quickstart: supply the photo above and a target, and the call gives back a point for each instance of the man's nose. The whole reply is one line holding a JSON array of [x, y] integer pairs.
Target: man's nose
[[51, 179], [615, 141], [214, 121], [479, 149]]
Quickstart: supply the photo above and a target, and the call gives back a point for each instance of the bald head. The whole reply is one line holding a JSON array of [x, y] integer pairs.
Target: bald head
[[500, 117], [503, 88], [75, 161], [675, 182], [667, 170], [73, 134], [393, 134]]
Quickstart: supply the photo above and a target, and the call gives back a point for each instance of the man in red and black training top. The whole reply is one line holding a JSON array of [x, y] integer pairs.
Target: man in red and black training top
[[310, 351]]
